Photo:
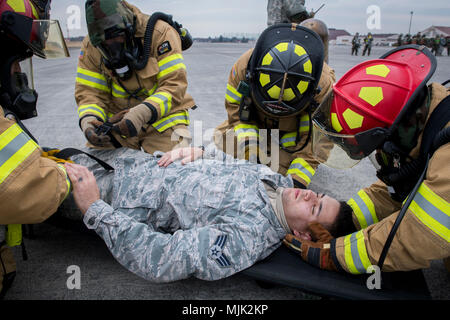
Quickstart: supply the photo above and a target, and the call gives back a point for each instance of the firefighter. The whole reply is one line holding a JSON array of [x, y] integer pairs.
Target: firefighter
[[32, 185], [273, 89], [384, 108], [131, 69]]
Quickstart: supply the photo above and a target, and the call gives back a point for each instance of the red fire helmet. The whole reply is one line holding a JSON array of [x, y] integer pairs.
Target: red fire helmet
[[369, 101]]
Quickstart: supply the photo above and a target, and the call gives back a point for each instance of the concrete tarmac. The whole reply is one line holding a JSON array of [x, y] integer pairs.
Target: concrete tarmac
[[53, 250]]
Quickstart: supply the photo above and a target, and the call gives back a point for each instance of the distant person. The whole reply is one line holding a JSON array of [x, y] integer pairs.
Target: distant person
[[140, 83], [355, 44], [448, 46], [416, 38], [273, 88], [436, 44], [423, 40], [400, 40], [368, 44], [442, 44], [408, 39], [165, 220], [287, 11], [32, 184]]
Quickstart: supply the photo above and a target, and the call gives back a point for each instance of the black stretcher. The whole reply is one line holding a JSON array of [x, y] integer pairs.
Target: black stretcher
[[284, 267]]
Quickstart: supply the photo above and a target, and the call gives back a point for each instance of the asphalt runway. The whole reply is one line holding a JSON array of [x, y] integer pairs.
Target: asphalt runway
[[53, 250]]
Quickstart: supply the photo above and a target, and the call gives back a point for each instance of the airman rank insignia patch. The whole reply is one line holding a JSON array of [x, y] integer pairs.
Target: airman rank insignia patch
[[164, 48], [215, 252]]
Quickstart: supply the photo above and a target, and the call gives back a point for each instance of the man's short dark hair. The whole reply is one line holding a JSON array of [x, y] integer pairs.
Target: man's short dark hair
[[343, 225]]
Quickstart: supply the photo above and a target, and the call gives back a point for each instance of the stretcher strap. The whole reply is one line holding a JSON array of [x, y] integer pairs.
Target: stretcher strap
[[69, 152]]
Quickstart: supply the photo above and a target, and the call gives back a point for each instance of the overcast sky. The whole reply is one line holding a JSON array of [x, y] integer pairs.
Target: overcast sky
[[206, 18]]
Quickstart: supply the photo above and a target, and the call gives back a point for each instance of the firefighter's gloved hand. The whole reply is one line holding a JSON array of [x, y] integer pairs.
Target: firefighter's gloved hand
[[316, 252], [89, 126], [118, 116], [97, 140], [133, 121]]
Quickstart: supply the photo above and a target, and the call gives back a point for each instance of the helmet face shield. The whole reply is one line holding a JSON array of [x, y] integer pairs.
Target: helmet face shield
[[26, 67], [339, 150], [47, 40], [335, 150]]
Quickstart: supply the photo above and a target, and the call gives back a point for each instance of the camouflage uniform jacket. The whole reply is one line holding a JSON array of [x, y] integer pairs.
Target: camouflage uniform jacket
[[208, 219], [279, 11]]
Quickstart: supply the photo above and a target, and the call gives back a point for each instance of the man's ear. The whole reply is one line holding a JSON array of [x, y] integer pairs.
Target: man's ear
[[303, 235]]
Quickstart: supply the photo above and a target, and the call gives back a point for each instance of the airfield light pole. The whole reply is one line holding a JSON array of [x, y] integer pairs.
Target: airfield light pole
[[410, 21]]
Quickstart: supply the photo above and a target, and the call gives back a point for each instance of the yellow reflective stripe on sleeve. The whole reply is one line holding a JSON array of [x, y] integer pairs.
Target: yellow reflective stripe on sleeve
[[170, 64], [152, 90], [356, 257], [92, 79], [243, 131], [67, 180], [92, 109], [232, 95], [172, 120], [15, 147], [304, 123], [118, 92], [288, 140], [13, 235], [302, 169], [364, 209], [432, 211], [164, 101]]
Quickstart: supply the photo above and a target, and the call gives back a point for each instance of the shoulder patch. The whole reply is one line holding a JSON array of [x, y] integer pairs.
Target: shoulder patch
[[233, 71], [164, 48]]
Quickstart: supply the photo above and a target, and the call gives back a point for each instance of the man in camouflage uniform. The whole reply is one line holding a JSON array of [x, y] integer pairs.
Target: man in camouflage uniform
[[208, 219], [286, 11], [146, 101]]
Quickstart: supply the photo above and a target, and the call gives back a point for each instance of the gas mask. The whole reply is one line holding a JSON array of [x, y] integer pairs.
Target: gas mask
[[115, 53], [16, 95]]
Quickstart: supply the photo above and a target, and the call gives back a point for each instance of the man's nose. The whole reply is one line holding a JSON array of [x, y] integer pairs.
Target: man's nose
[[309, 195]]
